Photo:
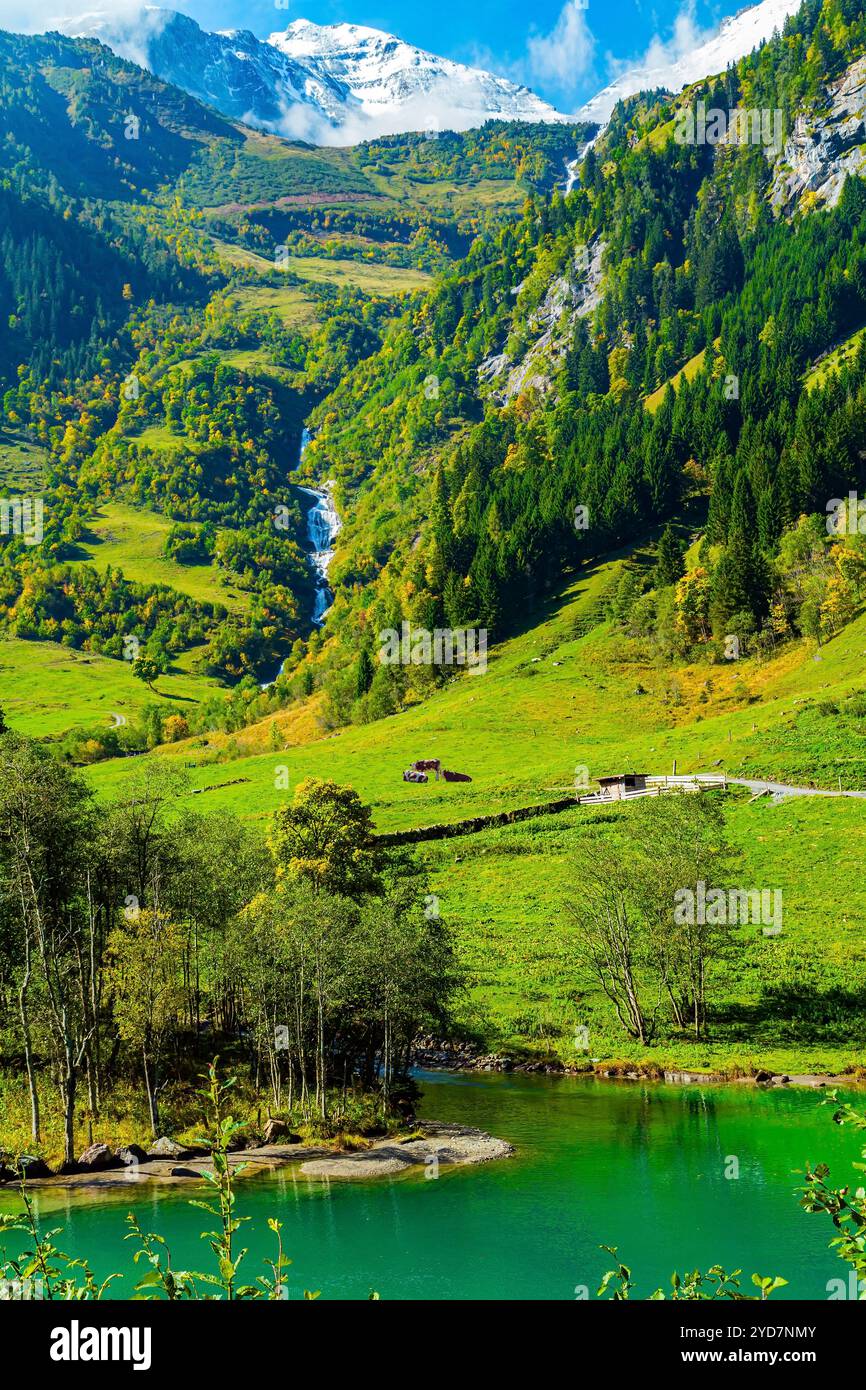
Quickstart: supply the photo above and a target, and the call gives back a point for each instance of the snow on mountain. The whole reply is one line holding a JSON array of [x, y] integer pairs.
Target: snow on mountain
[[330, 84], [676, 65], [387, 76]]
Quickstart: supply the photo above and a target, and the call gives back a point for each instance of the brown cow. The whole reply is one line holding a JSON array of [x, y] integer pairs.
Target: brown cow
[[428, 765]]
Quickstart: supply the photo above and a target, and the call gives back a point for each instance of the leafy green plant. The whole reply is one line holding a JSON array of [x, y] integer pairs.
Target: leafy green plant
[[62, 1277], [44, 1266]]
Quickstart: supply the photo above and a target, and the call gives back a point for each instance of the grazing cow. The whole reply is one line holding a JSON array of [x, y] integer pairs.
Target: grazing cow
[[428, 765], [455, 776]]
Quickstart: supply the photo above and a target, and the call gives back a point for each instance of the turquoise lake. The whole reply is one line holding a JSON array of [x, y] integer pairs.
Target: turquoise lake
[[639, 1166]]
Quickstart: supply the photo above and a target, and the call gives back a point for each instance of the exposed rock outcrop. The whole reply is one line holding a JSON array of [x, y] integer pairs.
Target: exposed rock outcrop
[[131, 1155], [823, 149], [442, 1145], [97, 1158], [169, 1148], [572, 295]]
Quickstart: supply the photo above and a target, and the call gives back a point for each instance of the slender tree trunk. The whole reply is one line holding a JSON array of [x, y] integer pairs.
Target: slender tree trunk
[[70, 1080], [150, 1086], [320, 1060], [23, 1008]]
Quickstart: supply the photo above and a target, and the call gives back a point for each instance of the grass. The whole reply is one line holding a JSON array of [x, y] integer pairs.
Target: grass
[[22, 464], [570, 693], [235, 257], [832, 363], [365, 275], [132, 540], [688, 372], [507, 893], [450, 198], [292, 305], [161, 440], [47, 689]]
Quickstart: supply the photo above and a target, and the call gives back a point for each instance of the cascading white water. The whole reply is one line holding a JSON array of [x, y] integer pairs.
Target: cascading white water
[[572, 166], [323, 524]]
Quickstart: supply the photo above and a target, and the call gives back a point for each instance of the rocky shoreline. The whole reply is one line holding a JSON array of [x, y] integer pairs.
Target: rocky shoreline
[[434, 1055], [435, 1146]]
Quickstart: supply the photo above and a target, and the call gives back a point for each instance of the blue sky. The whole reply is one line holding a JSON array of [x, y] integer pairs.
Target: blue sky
[[564, 49], [561, 48]]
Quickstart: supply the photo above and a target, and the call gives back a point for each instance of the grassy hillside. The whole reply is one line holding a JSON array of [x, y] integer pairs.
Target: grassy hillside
[[686, 373], [367, 276], [132, 540], [327, 270], [564, 696], [573, 693], [528, 992], [558, 696], [46, 689], [22, 464], [831, 363]]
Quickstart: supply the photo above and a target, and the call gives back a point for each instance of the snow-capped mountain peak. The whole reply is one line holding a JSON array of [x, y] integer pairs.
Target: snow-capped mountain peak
[[675, 65], [330, 84], [384, 75]]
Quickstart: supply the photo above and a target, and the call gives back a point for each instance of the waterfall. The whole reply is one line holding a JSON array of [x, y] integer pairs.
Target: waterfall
[[572, 166], [323, 524]]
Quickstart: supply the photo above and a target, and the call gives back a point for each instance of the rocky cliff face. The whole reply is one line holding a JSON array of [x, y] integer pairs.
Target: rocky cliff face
[[825, 147], [572, 295]]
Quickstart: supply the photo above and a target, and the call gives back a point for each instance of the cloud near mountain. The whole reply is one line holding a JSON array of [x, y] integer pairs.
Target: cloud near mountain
[[330, 84], [689, 54]]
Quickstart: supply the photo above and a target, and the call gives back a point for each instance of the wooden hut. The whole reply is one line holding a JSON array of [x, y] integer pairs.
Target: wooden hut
[[616, 788]]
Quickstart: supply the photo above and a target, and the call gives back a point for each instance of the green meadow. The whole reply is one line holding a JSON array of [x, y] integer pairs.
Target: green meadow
[[22, 464], [292, 305], [565, 702], [832, 362], [570, 699], [132, 540], [368, 276], [794, 1002], [47, 689]]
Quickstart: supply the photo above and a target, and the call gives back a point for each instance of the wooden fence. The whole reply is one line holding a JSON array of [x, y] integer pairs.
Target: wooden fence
[[657, 786], [448, 830]]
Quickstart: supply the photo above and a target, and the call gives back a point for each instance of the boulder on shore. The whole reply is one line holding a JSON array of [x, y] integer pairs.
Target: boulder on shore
[[97, 1158], [29, 1167], [278, 1132], [168, 1148], [131, 1155]]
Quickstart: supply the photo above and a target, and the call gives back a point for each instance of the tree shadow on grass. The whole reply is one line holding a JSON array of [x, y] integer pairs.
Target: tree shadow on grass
[[798, 1011]]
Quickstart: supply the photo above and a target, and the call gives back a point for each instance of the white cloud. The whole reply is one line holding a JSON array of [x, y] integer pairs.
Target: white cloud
[[663, 55], [689, 54], [130, 22], [564, 56], [40, 16]]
